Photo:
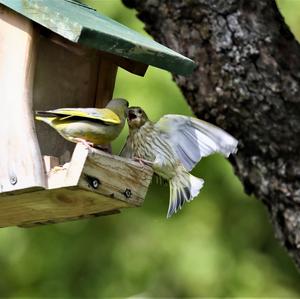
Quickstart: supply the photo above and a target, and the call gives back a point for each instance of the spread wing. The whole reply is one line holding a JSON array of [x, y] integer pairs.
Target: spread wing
[[192, 138], [106, 115]]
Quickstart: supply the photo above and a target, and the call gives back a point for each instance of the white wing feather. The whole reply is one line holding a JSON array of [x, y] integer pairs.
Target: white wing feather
[[192, 138]]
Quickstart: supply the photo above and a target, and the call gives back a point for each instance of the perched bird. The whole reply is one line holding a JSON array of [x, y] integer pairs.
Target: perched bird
[[173, 146], [90, 126]]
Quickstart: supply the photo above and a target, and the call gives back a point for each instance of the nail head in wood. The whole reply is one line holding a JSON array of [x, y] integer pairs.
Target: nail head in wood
[[13, 179]]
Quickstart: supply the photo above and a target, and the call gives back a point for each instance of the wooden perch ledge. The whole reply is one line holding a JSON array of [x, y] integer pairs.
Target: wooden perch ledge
[[93, 183]]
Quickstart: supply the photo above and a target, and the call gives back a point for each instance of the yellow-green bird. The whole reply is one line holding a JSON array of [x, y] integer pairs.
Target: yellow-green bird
[[173, 146], [90, 126]]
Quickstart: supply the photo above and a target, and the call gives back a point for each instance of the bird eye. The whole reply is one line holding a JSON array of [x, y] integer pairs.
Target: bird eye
[[140, 111]]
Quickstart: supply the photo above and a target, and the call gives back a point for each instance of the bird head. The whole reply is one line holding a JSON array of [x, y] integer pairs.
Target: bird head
[[136, 117], [119, 106]]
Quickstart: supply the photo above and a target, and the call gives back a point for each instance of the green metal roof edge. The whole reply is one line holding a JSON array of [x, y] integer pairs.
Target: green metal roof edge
[[82, 24]]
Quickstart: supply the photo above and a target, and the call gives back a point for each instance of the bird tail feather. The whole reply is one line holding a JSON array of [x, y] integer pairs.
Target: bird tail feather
[[183, 188], [46, 119]]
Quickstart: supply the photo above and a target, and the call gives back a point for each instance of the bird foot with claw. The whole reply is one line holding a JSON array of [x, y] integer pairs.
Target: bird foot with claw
[[143, 162], [87, 144], [58, 168]]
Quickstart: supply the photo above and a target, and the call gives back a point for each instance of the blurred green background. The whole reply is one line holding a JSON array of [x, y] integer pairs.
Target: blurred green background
[[221, 244]]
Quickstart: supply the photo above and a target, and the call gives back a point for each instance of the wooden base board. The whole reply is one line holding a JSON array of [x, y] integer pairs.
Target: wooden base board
[[92, 183], [54, 206]]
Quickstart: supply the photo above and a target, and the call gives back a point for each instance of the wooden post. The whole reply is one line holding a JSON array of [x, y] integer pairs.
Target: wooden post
[[21, 164], [107, 73]]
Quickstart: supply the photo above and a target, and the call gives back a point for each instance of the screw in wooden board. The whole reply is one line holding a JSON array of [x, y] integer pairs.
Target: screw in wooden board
[[127, 193], [13, 179], [93, 182]]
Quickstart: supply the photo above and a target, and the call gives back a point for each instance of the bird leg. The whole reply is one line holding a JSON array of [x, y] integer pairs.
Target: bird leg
[[143, 162], [87, 144], [59, 168]]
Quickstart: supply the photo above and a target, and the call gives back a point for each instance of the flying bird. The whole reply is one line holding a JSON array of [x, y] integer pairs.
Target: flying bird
[[90, 126], [173, 146]]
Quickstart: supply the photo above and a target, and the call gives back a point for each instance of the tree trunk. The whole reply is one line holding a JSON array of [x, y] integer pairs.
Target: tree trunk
[[247, 82]]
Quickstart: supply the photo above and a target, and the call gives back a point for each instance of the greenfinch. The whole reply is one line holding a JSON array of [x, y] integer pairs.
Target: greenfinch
[[173, 146], [90, 126]]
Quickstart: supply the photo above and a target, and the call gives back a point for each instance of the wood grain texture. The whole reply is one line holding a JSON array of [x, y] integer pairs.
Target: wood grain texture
[[21, 165], [93, 183], [53, 205], [30, 224], [119, 178]]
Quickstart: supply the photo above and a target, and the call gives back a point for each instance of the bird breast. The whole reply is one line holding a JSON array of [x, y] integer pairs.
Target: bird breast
[[97, 133], [148, 143], [141, 142]]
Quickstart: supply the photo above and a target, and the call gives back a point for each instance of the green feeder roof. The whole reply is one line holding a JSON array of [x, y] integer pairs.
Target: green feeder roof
[[81, 24]]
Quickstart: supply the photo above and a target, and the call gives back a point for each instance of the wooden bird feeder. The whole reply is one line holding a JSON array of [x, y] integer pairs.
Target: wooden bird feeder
[[61, 53]]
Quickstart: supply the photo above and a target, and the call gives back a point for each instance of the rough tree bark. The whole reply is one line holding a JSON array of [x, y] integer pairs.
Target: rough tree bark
[[247, 82]]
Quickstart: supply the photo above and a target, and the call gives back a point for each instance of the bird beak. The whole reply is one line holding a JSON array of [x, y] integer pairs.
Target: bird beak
[[131, 115]]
